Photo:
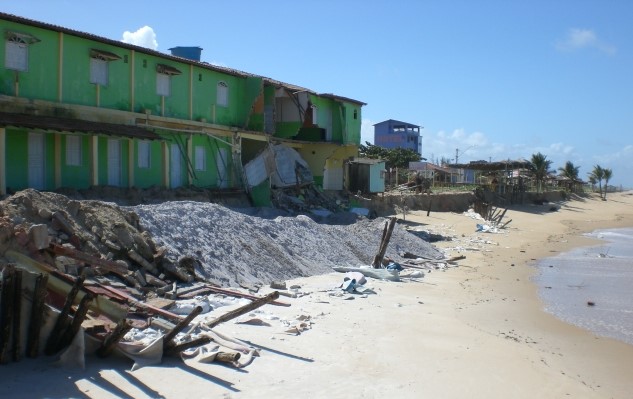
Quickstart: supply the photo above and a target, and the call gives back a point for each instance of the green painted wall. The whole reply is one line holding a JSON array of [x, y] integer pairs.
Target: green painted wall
[[76, 176], [40, 81], [17, 159], [145, 95], [77, 88], [152, 176], [286, 130], [254, 88]]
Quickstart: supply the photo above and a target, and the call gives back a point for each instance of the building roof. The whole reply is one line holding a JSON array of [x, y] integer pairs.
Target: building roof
[[74, 125], [145, 50], [396, 121], [340, 98]]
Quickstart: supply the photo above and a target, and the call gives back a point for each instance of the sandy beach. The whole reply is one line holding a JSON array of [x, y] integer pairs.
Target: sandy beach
[[473, 331]]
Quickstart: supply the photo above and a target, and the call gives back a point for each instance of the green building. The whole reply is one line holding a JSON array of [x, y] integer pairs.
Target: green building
[[78, 110]]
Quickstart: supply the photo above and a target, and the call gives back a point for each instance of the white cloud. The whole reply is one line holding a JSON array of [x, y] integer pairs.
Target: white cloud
[[144, 37], [577, 39]]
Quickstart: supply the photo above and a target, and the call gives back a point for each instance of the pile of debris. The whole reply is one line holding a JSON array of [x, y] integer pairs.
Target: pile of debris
[[113, 271]]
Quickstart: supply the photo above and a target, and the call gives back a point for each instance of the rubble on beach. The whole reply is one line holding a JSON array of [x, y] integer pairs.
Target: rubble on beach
[[120, 272]]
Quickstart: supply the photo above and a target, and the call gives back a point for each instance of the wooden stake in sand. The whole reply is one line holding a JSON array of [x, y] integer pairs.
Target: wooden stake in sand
[[386, 236]]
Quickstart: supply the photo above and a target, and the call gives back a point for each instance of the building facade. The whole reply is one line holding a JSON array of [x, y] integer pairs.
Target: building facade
[[79, 110], [397, 134]]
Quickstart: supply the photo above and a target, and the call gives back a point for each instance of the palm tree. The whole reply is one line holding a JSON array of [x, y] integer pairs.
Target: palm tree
[[593, 181], [598, 174], [570, 171], [607, 174], [541, 168]]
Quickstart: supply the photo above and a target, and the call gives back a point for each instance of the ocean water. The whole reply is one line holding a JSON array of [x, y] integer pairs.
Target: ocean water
[[592, 287]]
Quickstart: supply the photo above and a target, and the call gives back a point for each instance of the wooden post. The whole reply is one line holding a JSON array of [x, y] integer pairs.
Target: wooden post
[[17, 315], [122, 327], [169, 337], [6, 312], [62, 320], [377, 263], [244, 309], [37, 316]]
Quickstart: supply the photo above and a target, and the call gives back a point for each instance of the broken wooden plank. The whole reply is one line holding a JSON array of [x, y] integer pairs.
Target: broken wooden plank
[[122, 327], [238, 294], [244, 309], [6, 311], [75, 325], [63, 320], [17, 315], [169, 337], [60, 283]]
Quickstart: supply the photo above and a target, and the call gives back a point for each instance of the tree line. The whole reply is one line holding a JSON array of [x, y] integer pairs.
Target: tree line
[[400, 158]]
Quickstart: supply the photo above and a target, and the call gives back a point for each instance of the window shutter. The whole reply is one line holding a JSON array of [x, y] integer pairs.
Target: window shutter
[[162, 84], [143, 154], [222, 94], [16, 55], [99, 71]]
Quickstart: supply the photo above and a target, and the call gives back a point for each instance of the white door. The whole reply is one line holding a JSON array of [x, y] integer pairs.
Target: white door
[[221, 163], [175, 166], [114, 162], [332, 176], [36, 160]]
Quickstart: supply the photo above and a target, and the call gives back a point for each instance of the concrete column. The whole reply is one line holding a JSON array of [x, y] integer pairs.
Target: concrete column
[[58, 160], [94, 159], [131, 164], [165, 148], [190, 156]]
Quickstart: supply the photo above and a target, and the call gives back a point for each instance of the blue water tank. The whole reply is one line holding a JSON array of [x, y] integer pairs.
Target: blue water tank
[[191, 53]]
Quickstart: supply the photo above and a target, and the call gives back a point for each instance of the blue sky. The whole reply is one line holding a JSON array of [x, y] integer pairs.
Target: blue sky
[[495, 79]]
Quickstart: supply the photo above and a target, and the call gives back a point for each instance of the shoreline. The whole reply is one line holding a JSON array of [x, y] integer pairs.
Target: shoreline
[[479, 330]]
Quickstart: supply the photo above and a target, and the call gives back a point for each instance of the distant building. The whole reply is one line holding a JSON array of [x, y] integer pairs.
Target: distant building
[[396, 134]]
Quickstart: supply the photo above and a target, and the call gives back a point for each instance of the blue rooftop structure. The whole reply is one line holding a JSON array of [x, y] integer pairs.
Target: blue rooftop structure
[[396, 134]]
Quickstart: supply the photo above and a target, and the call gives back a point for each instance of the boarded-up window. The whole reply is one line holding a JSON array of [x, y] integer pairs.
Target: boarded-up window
[[73, 150], [144, 156], [99, 71], [222, 94], [163, 84], [201, 161]]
